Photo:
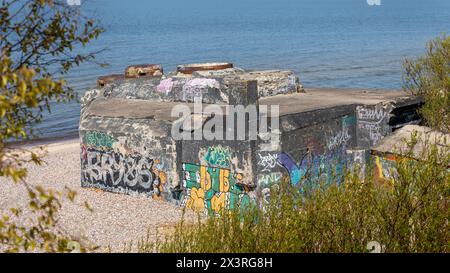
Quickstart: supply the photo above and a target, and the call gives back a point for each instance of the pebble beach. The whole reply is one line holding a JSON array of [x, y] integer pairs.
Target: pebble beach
[[116, 220]]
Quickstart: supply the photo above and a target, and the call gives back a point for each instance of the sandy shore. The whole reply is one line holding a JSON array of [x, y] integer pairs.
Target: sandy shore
[[116, 218]]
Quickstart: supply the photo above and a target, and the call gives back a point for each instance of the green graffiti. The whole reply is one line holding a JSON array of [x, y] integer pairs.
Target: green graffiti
[[98, 139], [348, 120], [218, 156], [211, 189]]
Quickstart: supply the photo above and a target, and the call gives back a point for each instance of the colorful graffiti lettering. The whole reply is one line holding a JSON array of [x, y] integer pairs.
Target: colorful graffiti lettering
[[98, 139], [327, 167], [210, 189], [289, 164], [323, 160], [160, 182], [384, 168], [218, 156]]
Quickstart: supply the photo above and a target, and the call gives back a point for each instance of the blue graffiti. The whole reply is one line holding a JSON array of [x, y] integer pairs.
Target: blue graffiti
[[326, 167], [291, 167]]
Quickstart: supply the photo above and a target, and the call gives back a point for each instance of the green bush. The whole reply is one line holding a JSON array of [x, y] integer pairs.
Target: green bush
[[429, 77]]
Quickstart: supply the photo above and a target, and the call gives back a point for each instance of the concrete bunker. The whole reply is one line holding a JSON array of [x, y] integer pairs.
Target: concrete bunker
[[127, 143]]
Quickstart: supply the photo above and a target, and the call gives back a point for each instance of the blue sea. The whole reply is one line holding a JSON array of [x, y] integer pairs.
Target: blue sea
[[328, 43]]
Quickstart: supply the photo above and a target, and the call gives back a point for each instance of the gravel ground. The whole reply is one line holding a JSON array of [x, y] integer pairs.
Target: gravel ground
[[116, 218]]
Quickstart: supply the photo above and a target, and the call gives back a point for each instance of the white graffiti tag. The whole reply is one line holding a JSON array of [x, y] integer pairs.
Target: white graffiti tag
[[372, 115], [267, 180], [373, 121], [341, 138], [267, 162], [115, 169]]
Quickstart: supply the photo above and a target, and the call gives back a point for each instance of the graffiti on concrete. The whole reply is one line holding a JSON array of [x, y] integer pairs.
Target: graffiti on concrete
[[106, 163], [291, 167], [210, 189], [98, 139], [193, 89], [341, 138], [324, 159], [373, 121], [374, 115], [269, 179], [327, 167], [357, 161], [159, 183], [165, 86], [113, 169], [267, 162], [218, 156], [384, 168]]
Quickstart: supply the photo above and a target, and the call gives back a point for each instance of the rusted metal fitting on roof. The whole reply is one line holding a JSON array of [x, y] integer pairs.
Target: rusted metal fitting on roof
[[143, 70], [190, 68], [103, 80]]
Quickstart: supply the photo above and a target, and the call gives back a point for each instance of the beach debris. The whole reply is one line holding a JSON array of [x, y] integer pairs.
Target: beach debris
[[104, 80], [191, 68]]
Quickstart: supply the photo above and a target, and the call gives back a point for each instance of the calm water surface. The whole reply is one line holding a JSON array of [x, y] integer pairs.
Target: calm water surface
[[329, 43]]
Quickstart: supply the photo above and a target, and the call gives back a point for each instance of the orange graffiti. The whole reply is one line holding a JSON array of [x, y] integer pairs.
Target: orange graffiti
[[196, 200]]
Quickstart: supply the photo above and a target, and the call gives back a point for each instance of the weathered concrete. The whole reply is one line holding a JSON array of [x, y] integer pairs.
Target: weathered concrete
[[127, 142], [398, 145], [270, 82], [125, 132], [180, 89]]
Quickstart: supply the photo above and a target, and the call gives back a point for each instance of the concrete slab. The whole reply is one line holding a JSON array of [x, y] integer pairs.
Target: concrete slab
[[313, 99], [322, 98], [396, 143]]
